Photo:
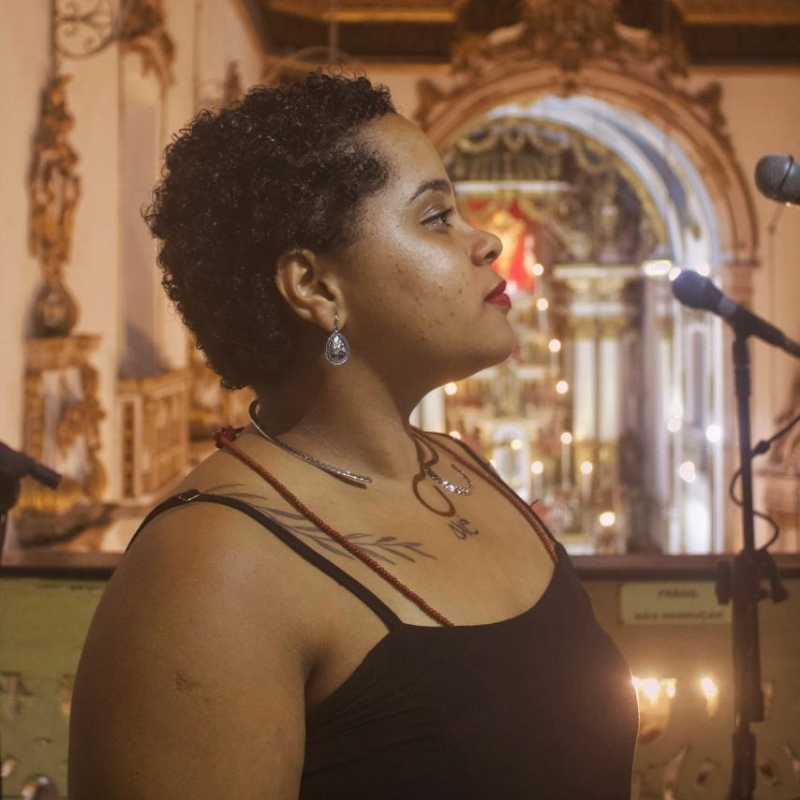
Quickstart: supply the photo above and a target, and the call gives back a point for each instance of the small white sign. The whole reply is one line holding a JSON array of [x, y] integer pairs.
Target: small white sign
[[674, 603]]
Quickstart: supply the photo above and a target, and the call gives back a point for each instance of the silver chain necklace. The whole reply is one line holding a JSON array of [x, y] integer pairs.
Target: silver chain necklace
[[355, 477]]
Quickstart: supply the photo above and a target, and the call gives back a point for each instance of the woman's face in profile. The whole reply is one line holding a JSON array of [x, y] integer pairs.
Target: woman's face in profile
[[416, 280]]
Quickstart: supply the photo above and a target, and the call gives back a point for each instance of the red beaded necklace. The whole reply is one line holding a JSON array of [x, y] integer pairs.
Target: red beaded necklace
[[226, 438]]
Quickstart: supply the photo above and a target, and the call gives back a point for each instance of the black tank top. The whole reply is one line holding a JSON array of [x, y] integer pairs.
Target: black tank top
[[536, 707]]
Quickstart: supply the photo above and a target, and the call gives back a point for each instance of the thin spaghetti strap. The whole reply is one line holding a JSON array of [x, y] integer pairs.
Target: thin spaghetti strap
[[377, 606], [225, 438]]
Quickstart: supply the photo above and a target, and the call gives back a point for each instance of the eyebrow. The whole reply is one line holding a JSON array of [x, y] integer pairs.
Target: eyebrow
[[436, 185]]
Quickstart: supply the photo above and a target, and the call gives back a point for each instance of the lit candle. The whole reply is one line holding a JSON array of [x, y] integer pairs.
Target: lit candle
[[566, 441], [554, 346], [655, 696], [586, 481], [711, 692]]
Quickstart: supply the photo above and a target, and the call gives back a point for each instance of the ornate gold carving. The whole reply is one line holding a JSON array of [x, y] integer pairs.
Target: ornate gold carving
[[154, 413], [666, 327], [418, 11], [612, 327], [570, 32], [739, 12], [144, 31], [560, 176], [82, 419], [584, 327], [62, 418], [717, 12], [82, 28], [570, 36], [54, 191]]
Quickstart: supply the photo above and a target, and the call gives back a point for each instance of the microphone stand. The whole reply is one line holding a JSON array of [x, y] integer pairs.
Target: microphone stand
[[741, 582]]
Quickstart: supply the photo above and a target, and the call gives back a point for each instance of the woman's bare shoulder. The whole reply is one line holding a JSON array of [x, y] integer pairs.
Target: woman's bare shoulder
[[197, 656]]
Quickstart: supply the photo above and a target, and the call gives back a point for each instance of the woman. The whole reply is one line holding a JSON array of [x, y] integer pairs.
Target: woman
[[336, 605]]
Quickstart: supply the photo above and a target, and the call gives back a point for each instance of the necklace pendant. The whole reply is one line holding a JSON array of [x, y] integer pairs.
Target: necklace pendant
[[449, 486]]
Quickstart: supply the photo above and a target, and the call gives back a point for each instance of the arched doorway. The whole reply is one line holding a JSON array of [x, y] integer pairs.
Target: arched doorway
[[620, 432]]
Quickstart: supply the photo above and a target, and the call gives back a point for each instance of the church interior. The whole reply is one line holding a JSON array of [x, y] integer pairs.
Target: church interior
[[610, 144]]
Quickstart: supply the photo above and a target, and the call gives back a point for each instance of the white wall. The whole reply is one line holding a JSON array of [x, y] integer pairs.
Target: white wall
[[207, 35], [24, 66], [763, 111]]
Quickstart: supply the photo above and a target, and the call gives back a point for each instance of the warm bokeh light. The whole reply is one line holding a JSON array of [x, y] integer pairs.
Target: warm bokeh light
[[651, 688], [711, 692], [537, 468], [562, 387], [660, 266], [607, 519], [542, 304], [655, 696], [554, 345], [516, 444], [687, 471], [674, 424], [450, 388], [714, 433], [455, 434], [566, 438], [538, 269], [587, 467], [709, 687]]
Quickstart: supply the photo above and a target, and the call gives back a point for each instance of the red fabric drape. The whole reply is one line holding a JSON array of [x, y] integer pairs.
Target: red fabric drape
[[518, 239]]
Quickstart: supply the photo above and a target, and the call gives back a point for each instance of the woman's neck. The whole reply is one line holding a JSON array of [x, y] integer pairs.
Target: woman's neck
[[346, 417]]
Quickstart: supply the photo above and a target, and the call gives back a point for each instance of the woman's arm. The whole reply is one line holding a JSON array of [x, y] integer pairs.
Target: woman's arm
[[191, 682]]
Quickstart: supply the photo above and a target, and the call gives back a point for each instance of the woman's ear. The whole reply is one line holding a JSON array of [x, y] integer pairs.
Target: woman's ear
[[309, 287]]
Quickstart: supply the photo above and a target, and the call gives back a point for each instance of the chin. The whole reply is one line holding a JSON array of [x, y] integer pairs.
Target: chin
[[489, 355], [502, 347]]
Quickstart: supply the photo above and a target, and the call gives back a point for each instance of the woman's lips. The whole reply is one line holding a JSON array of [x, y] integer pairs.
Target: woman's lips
[[498, 296]]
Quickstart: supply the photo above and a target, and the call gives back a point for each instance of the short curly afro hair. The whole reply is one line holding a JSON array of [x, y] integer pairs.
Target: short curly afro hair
[[285, 168]]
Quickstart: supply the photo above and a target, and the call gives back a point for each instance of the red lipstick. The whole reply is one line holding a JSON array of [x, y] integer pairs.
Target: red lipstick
[[498, 297]]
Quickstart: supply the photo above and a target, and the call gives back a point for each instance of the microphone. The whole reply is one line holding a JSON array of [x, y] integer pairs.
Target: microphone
[[778, 178], [17, 465], [695, 291]]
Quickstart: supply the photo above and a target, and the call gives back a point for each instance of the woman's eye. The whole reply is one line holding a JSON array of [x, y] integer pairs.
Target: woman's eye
[[442, 218]]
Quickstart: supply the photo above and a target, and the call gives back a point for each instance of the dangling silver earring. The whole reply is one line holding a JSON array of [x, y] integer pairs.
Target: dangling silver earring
[[337, 348]]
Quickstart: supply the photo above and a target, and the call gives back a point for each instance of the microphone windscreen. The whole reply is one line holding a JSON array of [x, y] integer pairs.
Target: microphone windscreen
[[696, 291], [778, 177]]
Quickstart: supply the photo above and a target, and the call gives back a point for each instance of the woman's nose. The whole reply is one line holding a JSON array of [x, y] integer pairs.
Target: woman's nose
[[486, 249]]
